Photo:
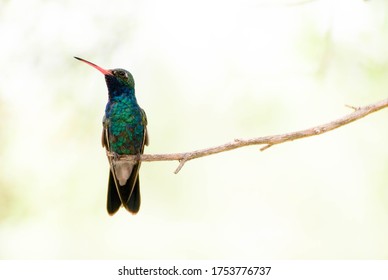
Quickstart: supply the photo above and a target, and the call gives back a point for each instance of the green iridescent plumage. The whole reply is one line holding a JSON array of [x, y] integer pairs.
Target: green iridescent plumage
[[124, 133], [126, 124]]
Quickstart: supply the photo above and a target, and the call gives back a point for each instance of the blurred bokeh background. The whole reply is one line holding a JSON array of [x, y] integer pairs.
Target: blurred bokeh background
[[206, 72]]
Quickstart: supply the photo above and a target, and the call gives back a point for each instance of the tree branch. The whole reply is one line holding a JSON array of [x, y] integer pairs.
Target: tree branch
[[268, 141]]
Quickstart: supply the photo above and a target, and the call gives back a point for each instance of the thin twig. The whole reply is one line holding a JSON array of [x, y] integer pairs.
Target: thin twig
[[268, 141]]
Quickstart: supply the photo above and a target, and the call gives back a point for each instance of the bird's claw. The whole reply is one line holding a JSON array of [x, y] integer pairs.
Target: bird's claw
[[113, 155]]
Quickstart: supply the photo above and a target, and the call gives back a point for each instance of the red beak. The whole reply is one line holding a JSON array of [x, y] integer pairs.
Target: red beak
[[102, 70]]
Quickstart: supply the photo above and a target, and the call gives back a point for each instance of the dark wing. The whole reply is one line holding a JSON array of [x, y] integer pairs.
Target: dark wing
[[146, 140], [113, 201]]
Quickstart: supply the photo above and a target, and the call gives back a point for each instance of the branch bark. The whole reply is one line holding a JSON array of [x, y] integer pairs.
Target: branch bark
[[267, 141]]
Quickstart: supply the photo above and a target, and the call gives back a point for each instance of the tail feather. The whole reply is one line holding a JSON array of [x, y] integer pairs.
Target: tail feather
[[133, 203], [127, 195], [113, 202]]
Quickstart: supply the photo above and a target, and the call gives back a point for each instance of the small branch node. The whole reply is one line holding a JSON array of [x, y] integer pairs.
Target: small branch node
[[266, 147], [353, 107], [181, 163], [317, 130]]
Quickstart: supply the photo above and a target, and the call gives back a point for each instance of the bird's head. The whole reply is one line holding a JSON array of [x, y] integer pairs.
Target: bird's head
[[122, 76], [116, 79]]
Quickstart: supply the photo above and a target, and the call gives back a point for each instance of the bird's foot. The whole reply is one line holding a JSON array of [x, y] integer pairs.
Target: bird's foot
[[113, 155], [116, 156]]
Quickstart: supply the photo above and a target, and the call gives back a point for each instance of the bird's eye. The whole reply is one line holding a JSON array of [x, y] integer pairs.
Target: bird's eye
[[122, 74]]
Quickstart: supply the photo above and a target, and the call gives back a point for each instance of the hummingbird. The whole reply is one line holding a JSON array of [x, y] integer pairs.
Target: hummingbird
[[124, 133]]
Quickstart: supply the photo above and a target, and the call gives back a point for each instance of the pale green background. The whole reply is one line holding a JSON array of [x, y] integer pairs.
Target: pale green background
[[206, 72]]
